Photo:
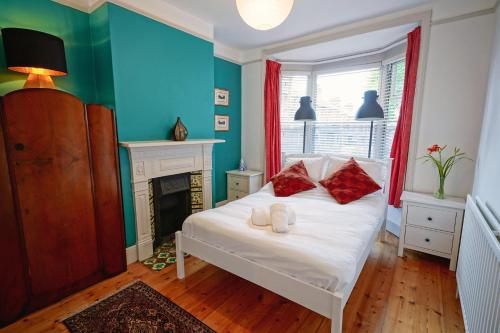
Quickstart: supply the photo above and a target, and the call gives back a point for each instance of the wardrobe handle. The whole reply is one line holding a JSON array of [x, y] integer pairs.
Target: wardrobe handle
[[427, 240], [429, 218]]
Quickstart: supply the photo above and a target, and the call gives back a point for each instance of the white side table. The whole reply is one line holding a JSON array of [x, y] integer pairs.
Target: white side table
[[242, 183], [431, 225]]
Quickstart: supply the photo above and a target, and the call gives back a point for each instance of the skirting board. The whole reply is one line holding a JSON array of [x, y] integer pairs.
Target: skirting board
[[131, 254], [221, 203], [394, 220]]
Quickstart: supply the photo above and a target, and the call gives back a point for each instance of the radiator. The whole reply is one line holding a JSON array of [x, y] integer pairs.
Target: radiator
[[478, 271]]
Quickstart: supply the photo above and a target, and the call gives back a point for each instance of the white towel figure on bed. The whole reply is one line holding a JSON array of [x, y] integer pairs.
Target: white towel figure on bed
[[260, 217], [281, 217]]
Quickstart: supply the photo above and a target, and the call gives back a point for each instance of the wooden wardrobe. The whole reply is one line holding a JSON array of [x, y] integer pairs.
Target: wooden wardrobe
[[61, 216]]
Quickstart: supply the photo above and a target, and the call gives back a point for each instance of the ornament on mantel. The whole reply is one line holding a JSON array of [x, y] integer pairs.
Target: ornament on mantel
[[179, 132]]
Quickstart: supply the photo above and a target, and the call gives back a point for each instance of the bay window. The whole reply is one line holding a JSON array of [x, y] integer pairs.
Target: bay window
[[337, 95]]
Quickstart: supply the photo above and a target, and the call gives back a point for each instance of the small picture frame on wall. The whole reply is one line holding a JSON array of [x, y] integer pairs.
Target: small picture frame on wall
[[221, 97], [221, 123]]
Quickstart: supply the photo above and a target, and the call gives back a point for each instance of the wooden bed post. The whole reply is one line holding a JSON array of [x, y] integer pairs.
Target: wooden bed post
[[179, 255], [337, 314]]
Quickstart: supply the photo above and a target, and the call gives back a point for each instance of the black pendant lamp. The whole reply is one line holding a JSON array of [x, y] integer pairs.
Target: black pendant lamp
[[370, 111], [36, 53], [305, 113]]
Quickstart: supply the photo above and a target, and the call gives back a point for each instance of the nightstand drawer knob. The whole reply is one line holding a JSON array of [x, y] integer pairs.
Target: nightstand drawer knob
[[427, 240], [237, 183], [429, 218]]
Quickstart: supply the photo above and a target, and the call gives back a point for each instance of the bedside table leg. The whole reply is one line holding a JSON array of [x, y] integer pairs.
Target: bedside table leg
[[400, 248], [453, 264]]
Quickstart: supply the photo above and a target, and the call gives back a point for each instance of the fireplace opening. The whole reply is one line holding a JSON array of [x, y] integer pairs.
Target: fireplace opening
[[172, 205]]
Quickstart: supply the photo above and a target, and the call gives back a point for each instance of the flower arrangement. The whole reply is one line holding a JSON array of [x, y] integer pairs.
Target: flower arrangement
[[444, 166]]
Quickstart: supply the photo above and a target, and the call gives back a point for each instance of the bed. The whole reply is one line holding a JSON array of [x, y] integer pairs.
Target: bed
[[319, 277]]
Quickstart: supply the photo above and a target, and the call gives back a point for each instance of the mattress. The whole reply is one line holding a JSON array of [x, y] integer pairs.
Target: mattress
[[323, 248]]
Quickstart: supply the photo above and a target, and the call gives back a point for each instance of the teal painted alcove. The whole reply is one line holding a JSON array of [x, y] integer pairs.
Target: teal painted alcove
[[67, 23], [227, 155]]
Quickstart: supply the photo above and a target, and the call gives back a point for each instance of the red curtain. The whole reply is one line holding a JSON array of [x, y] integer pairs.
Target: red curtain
[[272, 118], [401, 141]]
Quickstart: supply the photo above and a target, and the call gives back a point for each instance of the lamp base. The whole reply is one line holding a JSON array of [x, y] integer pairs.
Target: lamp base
[[39, 81]]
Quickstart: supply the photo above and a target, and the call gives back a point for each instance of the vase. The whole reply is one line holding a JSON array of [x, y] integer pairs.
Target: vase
[[440, 191], [179, 131]]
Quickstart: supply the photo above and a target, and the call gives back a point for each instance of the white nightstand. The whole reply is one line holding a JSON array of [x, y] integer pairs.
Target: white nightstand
[[242, 183], [431, 225]]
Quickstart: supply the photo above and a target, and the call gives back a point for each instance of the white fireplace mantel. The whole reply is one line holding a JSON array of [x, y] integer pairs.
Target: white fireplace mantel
[[152, 159]]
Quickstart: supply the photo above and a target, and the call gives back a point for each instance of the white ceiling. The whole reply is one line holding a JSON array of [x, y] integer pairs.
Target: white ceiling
[[307, 16], [369, 42]]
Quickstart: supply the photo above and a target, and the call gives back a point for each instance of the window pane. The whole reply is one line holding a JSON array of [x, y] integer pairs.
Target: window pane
[[391, 103], [293, 87], [337, 99]]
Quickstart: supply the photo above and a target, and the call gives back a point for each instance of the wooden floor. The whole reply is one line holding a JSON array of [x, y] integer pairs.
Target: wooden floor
[[411, 294]]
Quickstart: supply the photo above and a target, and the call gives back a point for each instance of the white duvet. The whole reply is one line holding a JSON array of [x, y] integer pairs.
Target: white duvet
[[322, 248]]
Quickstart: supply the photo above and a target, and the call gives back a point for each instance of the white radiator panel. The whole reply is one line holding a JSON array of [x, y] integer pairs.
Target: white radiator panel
[[478, 272]]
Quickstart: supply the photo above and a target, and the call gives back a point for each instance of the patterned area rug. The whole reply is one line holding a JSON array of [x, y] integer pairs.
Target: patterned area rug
[[163, 256], [136, 309]]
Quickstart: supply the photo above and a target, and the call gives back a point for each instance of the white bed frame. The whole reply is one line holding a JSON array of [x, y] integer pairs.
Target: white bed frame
[[326, 303]]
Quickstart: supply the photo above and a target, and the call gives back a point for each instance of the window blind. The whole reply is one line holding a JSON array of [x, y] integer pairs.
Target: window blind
[[390, 100], [338, 97], [293, 87]]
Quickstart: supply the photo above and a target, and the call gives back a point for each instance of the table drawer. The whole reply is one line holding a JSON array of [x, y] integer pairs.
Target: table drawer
[[441, 219], [429, 239], [235, 195], [238, 183]]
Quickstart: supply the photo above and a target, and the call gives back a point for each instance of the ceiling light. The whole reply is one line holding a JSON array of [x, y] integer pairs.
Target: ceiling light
[[264, 14]]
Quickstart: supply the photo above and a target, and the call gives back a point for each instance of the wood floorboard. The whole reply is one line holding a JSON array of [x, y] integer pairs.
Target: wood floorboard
[[411, 294]]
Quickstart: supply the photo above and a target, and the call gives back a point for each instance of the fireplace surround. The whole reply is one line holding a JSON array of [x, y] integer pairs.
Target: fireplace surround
[[153, 159]]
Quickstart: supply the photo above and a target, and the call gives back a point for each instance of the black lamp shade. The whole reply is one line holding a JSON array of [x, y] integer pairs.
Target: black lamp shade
[[370, 110], [30, 51], [305, 111]]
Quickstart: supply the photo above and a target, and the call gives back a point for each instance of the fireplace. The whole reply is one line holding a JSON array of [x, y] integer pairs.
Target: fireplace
[[171, 204], [150, 160]]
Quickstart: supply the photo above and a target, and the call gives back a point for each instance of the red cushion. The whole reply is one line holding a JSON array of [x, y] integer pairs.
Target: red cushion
[[292, 180], [349, 183]]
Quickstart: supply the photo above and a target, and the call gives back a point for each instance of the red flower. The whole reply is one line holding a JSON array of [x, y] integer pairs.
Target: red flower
[[433, 149]]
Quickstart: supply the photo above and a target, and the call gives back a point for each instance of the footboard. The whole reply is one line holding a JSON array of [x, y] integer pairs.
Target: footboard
[[319, 300], [312, 297]]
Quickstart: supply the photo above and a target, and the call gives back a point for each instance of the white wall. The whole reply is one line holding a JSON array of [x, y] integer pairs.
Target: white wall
[[487, 181], [453, 100], [252, 116]]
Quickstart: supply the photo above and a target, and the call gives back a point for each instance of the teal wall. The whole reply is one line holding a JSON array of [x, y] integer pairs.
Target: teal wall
[[148, 72], [159, 73], [228, 154], [103, 62], [69, 24]]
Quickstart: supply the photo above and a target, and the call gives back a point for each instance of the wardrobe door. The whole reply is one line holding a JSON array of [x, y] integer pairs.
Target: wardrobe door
[[13, 291], [105, 170], [47, 144]]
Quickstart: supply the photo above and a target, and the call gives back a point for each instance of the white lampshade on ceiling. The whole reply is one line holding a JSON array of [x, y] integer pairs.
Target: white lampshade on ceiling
[[264, 14]]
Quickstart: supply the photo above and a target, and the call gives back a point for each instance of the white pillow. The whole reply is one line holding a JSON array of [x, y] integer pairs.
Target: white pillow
[[314, 166], [374, 169]]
